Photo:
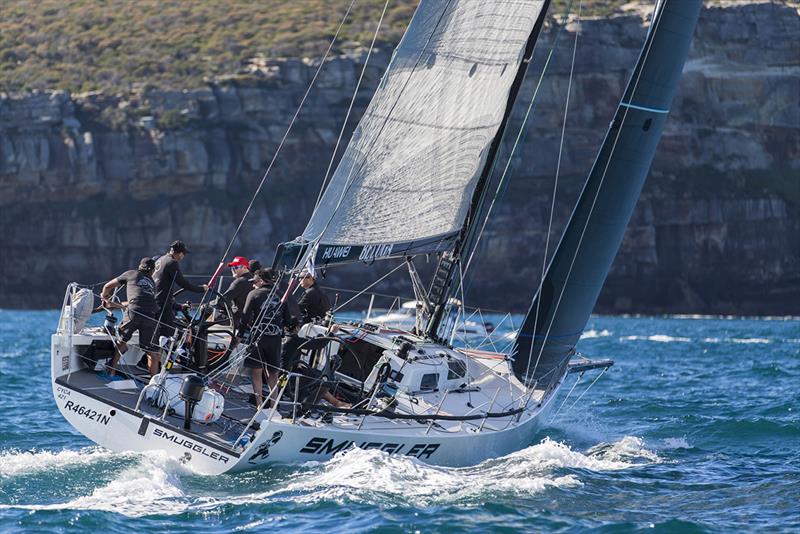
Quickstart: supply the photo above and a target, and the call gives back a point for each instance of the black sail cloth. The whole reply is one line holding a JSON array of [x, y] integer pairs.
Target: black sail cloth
[[579, 267]]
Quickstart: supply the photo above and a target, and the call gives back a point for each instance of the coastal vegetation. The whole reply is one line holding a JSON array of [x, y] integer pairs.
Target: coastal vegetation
[[117, 45]]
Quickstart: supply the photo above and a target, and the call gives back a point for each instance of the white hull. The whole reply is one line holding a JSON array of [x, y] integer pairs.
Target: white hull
[[278, 442], [106, 414]]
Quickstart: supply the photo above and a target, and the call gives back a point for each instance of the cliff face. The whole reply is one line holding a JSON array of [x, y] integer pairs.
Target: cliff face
[[90, 183]]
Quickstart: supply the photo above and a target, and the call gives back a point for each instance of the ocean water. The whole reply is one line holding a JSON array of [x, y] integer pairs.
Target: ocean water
[[695, 429]]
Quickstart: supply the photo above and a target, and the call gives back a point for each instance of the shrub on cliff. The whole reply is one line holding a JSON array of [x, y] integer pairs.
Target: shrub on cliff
[[112, 46]]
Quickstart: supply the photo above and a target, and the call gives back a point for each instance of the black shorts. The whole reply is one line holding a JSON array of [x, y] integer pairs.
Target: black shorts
[[266, 353], [146, 326]]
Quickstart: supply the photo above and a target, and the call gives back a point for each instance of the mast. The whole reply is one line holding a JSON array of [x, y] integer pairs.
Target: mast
[[580, 264], [439, 291]]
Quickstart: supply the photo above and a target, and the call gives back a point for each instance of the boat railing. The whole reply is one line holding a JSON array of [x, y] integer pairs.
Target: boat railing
[[154, 385], [285, 382], [66, 321], [67, 302]]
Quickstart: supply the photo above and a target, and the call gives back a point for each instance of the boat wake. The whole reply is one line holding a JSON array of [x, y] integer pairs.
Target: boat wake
[[374, 477], [13, 462], [141, 484], [152, 484]]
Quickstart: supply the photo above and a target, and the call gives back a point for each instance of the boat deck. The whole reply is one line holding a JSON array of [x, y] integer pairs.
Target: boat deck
[[124, 394]]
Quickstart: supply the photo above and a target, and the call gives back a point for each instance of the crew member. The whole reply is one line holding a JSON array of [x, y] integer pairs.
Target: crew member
[[141, 312], [313, 305], [236, 294], [264, 316], [168, 278]]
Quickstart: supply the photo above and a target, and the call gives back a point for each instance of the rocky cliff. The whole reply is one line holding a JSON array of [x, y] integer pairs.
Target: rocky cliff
[[89, 183]]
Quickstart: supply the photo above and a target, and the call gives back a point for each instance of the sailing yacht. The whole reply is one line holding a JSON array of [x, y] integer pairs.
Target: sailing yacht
[[413, 181]]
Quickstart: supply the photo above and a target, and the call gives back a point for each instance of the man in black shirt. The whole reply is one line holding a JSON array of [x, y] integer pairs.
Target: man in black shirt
[[168, 279], [236, 294], [141, 311], [264, 317], [314, 303]]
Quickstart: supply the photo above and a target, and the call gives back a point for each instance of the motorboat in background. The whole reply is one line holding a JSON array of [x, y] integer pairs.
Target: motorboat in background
[[410, 317]]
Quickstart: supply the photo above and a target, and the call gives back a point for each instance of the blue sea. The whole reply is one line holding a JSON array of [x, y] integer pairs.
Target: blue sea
[[695, 429]]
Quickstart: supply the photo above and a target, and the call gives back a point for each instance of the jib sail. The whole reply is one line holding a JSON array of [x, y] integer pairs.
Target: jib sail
[[575, 275]]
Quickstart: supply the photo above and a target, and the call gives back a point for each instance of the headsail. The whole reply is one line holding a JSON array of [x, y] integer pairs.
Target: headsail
[[573, 279], [406, 180]]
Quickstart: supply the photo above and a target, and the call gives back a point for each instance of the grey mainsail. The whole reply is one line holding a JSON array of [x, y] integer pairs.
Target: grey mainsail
[[575, 275], [407, 178]]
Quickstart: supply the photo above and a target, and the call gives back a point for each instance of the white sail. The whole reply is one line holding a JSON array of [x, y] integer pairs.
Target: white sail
[[406, 180]]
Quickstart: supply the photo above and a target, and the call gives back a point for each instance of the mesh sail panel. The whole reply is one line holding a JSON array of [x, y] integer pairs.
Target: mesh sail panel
[[409, 172]]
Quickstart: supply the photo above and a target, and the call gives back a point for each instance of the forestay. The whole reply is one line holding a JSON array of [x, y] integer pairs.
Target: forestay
[[406, 180], [576, 273]]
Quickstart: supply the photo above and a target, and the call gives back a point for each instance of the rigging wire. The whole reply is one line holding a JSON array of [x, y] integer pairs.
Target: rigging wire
[[286, 134], [652, 34], [555, 188], [585, 391], [520, 138], [353, 172], [373, 284], [569, 393], [350, 108]]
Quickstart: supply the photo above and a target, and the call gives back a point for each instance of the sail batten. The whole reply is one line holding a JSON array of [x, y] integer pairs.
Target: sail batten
[[412, 166]]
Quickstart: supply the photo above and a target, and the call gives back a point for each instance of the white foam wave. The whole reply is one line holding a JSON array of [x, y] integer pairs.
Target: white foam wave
[[150, 487], [14, 462], [627, 452], [372, 476], [728, 317], [659, 338], [591, 334], [745, 341], [153, 485]]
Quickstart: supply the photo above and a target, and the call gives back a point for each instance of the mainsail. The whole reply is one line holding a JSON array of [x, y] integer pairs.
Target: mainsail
[[408, 176], [573, 279]]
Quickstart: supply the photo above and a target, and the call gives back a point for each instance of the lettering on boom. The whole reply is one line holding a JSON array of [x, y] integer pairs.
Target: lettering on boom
[[328, 446], [374, 252], [335, 253]]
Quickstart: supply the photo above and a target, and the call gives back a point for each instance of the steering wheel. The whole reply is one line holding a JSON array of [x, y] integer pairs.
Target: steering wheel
[[222, 324]]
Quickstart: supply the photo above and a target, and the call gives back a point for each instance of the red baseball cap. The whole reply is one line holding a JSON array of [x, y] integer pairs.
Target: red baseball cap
[[239, 261]]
